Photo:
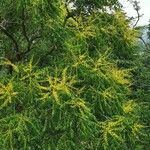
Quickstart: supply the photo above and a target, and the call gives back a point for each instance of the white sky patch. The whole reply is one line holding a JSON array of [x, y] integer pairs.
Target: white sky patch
[[145, 10]]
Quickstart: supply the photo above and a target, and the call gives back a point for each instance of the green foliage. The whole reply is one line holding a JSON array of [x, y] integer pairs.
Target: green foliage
[[141, 88], [78, 107], [83, 6], [60, 84]]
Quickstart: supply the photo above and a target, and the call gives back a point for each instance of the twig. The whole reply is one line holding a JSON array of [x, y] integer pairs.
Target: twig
[[29, 47], [24, 32], [147, 48], [11, 37], [136, 8]]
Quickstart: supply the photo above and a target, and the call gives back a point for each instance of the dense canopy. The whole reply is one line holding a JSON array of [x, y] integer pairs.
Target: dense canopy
[[66, 76]]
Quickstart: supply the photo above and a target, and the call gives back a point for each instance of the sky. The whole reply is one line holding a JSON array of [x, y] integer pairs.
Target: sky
[[145, 10]]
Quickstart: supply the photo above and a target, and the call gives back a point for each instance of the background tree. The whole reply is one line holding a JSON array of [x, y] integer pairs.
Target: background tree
[[141, 77]]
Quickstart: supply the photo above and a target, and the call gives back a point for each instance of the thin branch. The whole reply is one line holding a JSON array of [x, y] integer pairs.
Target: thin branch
[[11, 37], [147, 48], [138, 19], [29, 47], [24, 32], [136, 8]]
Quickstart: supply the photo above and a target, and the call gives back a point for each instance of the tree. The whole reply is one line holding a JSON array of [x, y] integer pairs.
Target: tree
[[141, 79], [64, 89]]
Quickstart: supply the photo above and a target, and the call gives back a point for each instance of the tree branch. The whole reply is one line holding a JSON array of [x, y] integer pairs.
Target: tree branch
[[24, 32], [29, 47], [136, 8], [144, 43], [11, 37]]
